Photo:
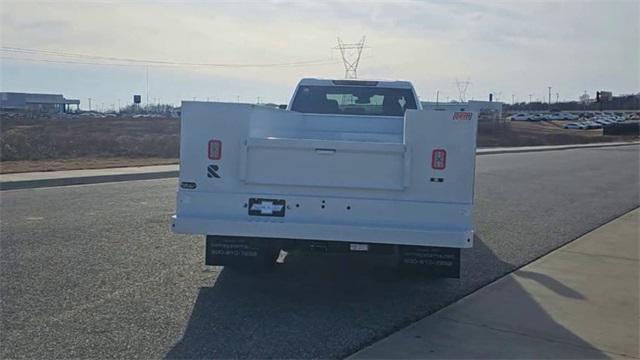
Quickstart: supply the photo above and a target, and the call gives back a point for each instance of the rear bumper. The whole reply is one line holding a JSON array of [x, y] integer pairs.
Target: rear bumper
[[329, 232]]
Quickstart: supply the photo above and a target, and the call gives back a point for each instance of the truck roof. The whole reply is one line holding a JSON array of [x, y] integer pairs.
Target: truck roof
[[350, 82]]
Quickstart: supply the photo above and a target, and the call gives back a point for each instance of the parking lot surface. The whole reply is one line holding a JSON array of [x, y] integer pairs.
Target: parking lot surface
[[94, 271]]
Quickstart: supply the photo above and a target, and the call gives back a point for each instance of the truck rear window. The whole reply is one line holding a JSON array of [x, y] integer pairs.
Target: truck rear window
[[353, 100]]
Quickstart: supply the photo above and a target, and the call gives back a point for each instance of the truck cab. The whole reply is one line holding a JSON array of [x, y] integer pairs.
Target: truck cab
[[349, 165], [354, 97]]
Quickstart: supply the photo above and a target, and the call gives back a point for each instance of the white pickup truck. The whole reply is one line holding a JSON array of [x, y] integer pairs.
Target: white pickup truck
[[347, 166]]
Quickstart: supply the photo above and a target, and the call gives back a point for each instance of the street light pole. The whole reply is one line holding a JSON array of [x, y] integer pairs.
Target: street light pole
[[147, 76]]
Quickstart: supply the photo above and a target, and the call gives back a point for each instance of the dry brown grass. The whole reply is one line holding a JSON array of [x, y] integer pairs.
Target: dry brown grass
[[524, 133], [76, 137]]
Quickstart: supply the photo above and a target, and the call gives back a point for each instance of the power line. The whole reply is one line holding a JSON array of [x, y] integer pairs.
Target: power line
[[148, 62], [10, 57], [61, 61], [134, 61]]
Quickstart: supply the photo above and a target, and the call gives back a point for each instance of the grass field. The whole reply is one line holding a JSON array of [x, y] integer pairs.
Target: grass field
[[81, 143], [49, 144]]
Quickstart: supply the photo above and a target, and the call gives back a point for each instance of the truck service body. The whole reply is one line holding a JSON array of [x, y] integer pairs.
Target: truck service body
[[349, 165]]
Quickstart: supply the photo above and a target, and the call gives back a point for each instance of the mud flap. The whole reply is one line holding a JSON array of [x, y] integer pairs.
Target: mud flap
[[231, 250], [429, 260]]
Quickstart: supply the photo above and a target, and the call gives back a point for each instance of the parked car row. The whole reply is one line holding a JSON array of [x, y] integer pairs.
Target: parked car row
[[585, 125], [594, 123], [543, 116], [610, 116]]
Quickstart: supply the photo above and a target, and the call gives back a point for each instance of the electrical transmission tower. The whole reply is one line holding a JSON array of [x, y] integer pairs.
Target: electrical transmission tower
[[462, 89], [351, 57]]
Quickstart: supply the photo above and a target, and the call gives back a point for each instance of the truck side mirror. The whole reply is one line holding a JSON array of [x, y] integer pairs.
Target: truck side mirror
[[283, 107]]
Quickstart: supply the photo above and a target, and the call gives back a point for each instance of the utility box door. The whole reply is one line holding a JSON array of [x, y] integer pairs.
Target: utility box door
[[324, 163]]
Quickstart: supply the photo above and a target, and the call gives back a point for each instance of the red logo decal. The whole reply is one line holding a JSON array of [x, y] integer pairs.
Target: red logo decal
[[462, 115]]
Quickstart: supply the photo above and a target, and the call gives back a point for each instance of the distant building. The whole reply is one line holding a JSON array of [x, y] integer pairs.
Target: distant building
[[49, 103]]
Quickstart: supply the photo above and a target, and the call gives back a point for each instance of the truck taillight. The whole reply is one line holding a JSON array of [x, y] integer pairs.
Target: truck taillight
[[439, 159], [215, 149]]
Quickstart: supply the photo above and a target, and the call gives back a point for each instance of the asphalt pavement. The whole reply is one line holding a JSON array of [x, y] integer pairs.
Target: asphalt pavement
[[94, 270]]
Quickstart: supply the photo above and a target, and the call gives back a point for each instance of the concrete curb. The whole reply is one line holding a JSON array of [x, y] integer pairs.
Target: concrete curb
[[83, 180], [495, 151], [150, 175]]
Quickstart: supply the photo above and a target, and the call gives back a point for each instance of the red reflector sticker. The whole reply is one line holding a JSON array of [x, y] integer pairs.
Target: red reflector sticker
[[215, 149], [439, 159], [462, 115]]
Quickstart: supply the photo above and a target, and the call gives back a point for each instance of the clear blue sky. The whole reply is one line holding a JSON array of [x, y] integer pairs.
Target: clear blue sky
[[516, 47]]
